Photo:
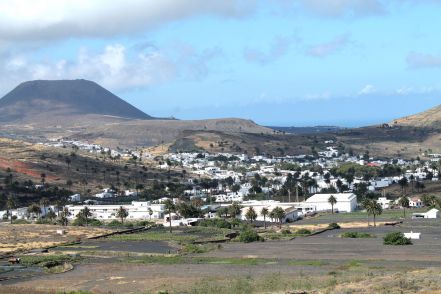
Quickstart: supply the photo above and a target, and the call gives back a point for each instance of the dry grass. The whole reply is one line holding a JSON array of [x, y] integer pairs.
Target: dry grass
[[344, 225], [32, 236]]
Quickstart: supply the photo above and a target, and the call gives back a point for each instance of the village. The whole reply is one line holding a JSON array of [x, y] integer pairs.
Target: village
[[301, 185]]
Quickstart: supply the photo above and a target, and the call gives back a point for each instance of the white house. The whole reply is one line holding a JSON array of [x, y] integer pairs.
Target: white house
[[346, 202], [75, 198], [433, 213], [415, 202], [384, 202]]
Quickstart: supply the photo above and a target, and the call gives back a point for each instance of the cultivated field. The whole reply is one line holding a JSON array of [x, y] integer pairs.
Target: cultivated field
[[154, 261]]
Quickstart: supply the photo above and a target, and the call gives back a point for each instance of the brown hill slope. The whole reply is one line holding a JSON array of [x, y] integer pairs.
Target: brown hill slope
[[429, 119]]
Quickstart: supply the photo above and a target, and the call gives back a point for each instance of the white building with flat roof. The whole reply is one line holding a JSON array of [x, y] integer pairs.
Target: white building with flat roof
[[346, 202], [138, 210]]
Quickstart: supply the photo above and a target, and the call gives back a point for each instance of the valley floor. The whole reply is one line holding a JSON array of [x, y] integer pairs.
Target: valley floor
[[325, 263]]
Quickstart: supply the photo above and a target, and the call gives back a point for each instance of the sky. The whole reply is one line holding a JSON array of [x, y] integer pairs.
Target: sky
[[277, 62]]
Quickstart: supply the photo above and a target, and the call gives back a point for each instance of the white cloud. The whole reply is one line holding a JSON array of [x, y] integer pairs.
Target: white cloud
[[416, 60], [327, 48], [366, 90], [58, 19], [343, 8], [114, 67]]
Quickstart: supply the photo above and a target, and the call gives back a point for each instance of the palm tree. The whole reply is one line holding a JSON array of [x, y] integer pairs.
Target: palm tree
[[234, 209], [64, 216], [365, 204], [10, 204], [85, 213], [251, 214], [34, 208], [279, 214], [264, 212], [332, 200], [170, 207], [44, 202], [404, 203], [51, 215], [375, 209], [122, 214]]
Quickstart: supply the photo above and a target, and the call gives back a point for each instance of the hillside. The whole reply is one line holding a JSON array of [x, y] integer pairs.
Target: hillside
[[41, 100], [428, 119], [81, 109]]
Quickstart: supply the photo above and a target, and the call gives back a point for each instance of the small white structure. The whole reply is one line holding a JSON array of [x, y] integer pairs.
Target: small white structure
[[433, 213], [384, 202], [346, 202], [75, 198], [412, 235], [415, 202]]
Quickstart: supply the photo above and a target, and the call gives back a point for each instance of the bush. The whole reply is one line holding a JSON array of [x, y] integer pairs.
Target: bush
[[249, 236], [303, 232], [114, 223], [79, 221], [215, 222], [45, 221], [356, 235], [396, 238], [21, 222], [333, 226], [286, 232]]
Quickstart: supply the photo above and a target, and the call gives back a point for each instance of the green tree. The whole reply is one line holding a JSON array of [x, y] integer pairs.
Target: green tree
[[51, 215], [44, 202], [279, 214], [234, 210], [404, 203], [332, 200], [222, 212], [85, 213], [375, 209], [35, 209], [264, 212], [122, 213], [169, 207], [10, 205], [64, 218], [150, 211], [251, 214]]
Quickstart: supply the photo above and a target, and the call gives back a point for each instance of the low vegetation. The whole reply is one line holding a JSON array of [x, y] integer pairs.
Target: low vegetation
[[249, 235], [356, 235], [396, 238]]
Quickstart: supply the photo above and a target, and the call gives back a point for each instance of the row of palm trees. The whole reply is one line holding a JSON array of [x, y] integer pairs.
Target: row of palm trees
[[277, 213]]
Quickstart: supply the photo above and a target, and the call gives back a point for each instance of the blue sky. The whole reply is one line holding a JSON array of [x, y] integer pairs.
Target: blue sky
[[277, 62]]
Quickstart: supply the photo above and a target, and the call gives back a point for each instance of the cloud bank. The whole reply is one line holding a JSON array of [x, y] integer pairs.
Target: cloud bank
[[56, 19]]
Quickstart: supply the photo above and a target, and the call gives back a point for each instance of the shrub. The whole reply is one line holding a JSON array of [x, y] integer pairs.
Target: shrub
[[95, 222], [215, 222], [91, 222], [303, 232], [114, 223], [355, 235], [249, 235], [21, 222], [45, 221], [286, 232], [396, 238], [333, 226]]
